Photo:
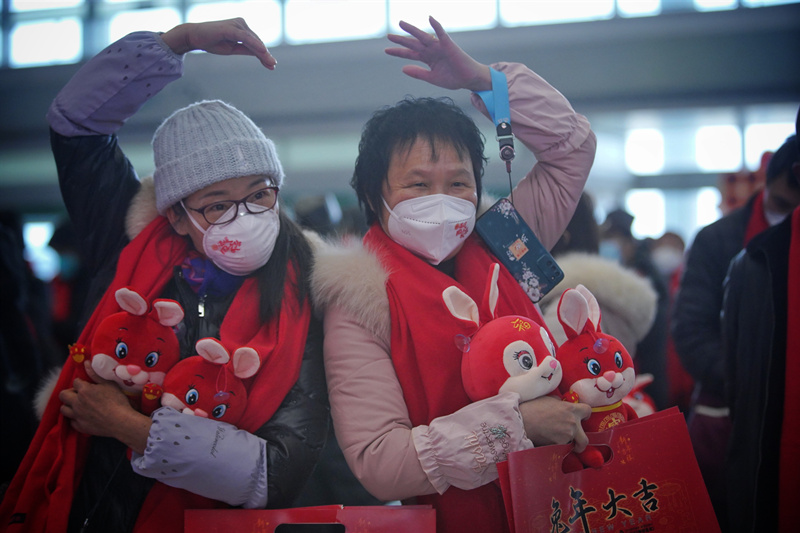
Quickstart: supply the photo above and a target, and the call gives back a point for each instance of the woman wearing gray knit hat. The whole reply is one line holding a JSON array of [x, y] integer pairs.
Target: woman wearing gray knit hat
[[206, 231]]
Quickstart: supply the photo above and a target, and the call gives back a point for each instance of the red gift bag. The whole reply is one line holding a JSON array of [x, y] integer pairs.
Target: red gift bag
[[357, 519], [650, 483]]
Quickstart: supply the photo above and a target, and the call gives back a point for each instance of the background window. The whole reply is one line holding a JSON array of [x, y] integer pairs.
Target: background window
[[481, 14], [33, 5], [309, 21], [718, 148], [32, 42], [644, 151], [647, 208], [159, 19], [516, 13], [262, 16], [638, 8]]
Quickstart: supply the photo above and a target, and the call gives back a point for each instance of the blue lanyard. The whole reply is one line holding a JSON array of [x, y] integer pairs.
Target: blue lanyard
[[496, 99], [496, 102]]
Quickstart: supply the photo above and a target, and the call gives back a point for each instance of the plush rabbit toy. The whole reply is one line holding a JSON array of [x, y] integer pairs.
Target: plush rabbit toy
[[210, 384], [506, 354], [135, 347], [598, 370]]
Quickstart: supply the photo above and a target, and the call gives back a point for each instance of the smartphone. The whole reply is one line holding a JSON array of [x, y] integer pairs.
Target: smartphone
[[515, 245]]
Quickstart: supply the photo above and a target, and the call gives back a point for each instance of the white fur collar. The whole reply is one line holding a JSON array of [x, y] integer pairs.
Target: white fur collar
[[350, 276], [142, 210]]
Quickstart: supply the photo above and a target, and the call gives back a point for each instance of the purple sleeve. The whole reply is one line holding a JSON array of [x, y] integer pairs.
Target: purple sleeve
[[205, 457], [113, 85]]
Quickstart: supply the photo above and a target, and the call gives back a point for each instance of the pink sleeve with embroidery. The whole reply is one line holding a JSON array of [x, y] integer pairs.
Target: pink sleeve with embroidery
[[391, 459], [560, 139]]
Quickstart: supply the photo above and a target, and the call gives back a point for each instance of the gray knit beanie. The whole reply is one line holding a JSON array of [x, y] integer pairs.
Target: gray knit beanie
[[208, 142]]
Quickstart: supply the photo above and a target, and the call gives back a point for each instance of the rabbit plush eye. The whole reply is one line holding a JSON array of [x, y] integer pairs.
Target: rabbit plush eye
[[593, 366], [121, 351], [525, 359], [219, 411], [618, 359], [151, 359], [192, 396]]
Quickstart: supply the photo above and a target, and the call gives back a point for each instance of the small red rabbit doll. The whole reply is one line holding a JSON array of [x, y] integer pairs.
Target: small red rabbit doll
[[135, 347], [505, 354], [210, 384], [598, 370]]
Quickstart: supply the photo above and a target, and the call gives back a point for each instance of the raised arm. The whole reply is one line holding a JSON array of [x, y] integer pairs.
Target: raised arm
[[541, 118]]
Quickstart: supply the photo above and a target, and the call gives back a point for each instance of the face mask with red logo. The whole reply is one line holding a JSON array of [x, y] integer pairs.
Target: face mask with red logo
[[243, 245], [432, 226]]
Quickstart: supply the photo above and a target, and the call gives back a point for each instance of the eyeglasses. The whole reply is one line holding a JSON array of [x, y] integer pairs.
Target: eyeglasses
[[256, 202]]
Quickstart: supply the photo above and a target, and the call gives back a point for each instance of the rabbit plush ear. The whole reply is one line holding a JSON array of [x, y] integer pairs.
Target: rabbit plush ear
[[212, 351], [130, 301], [169, 312], [492, 293], [461, 305], [594, 307], [245, 362], [573, 312]]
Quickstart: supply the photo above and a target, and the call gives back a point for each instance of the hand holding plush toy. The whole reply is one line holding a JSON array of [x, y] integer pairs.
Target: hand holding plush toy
[[210, 384], [504, 354], [598, 370], [135, 347]]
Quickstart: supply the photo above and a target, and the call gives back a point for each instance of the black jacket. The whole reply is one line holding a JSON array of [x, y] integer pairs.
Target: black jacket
[[97, 184], [754, 343], [695, 325]]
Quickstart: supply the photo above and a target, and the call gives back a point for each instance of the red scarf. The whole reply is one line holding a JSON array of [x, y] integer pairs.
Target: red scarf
[[790, 431], [758, 220], [44, 484], [427, 361]]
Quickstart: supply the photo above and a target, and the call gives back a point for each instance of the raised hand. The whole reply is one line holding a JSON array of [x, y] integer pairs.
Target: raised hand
[[449, 66], [221, 37]]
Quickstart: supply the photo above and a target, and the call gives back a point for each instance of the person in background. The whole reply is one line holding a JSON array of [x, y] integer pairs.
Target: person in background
[[696, 315], [68, 288], [618, 243], [667, 253], [761, 352], [736, 188], [400, 411], [24, 344], [216, 180]]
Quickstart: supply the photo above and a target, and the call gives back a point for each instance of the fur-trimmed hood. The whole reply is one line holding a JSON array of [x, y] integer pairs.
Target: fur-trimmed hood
[[627, 300]]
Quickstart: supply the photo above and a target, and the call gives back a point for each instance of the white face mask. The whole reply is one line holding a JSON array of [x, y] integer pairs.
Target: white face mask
[[667, 259], [774, 217], [243, 245], [431, 226]]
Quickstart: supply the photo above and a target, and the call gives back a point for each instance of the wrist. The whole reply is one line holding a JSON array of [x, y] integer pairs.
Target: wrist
[[133, 430], [483, 81], [177, 39]]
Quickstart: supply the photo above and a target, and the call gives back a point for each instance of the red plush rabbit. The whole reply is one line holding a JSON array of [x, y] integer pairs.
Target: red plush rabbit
[[210, 384], [135, 347], [598, 370], [508, 353]]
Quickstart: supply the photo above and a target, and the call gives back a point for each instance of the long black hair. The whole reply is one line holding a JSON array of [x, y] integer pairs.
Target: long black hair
[[291, 248]]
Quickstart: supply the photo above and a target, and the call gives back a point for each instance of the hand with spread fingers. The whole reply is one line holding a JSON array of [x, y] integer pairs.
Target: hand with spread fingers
[[449, 66]]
